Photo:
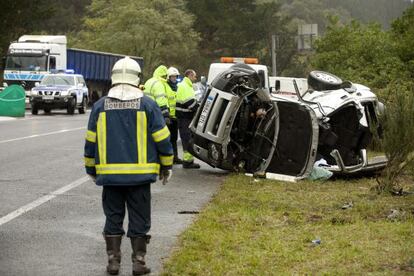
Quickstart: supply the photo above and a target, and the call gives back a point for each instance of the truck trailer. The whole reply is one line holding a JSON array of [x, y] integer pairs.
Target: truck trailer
[[33, 56]]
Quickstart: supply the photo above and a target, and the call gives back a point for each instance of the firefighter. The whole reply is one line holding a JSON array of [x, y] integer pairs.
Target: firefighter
[[127, 146], [172, 74], [156, 89], [186, 108]]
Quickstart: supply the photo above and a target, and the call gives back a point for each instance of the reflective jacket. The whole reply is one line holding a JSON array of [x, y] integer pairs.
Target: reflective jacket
[[186, 102], [156, 88], [126, 142], [172, 100]]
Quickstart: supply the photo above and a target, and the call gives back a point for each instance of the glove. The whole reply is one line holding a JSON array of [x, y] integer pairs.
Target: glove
[[165, 175], [167, 121]]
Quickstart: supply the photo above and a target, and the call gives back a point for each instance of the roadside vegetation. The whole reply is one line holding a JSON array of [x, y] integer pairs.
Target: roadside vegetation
[[263, 227]]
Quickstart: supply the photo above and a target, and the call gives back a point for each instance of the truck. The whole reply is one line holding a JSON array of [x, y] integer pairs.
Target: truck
[[32, 57], [247, 123]]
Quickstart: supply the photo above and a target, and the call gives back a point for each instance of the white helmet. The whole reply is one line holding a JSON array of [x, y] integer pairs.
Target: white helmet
[[172, 71], [126, 70]]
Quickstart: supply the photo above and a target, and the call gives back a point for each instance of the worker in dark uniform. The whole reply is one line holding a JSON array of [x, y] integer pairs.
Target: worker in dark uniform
[[127, 146], [185, 110]]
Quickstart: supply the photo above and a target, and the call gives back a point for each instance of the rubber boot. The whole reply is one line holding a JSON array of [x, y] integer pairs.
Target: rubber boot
[[139, 249], [113, 249], [190, 165]]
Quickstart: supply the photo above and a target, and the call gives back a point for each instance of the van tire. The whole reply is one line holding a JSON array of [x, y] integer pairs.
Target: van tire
[[320, 80]]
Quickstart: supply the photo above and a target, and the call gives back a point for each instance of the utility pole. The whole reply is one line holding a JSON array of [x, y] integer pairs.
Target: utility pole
[[274, 72]]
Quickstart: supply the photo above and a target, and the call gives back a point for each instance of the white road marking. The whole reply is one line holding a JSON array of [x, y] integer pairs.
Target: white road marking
[[42, 134], [26, 208]]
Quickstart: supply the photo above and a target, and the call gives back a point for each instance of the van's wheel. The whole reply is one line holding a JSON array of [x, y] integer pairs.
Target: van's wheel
[[47, 110], [71, 106], [320, 80], [82, 108], [35, 109]]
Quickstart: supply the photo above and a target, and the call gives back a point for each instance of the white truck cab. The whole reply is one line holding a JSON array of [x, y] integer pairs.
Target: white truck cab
[[30, 58], [226, 62]]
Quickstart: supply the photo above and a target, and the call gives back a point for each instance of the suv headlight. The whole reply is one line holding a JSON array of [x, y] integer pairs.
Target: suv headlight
[[64, 93], [34, 92]]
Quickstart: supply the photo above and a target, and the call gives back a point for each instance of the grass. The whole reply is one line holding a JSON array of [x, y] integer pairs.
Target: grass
[[267, 227]]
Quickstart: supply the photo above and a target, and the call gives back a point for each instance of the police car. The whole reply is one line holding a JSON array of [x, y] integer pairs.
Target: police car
[[60, 91]]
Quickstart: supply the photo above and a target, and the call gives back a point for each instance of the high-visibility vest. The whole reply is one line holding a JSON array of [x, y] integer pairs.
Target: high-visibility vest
[[186, 102]]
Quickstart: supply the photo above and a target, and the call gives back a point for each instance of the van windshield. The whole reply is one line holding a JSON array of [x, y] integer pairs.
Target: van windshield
[[26, 63], [58, 80]]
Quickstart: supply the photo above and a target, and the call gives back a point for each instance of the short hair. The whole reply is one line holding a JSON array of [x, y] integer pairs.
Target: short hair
[[189, 72]]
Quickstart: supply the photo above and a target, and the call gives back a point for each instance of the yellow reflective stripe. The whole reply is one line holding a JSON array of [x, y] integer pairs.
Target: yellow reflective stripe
[[89, 162], [161, 134], [101, 130], [128, 168], [91, 136], [142, 137], [167, 160]]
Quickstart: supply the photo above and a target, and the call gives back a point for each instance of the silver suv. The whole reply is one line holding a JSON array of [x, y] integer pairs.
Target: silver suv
[[60, 91]]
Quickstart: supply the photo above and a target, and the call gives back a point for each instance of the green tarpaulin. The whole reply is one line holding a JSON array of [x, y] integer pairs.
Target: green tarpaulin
[[13, 101]]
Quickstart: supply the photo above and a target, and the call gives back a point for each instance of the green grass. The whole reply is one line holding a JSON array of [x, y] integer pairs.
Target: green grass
[[267, 228]]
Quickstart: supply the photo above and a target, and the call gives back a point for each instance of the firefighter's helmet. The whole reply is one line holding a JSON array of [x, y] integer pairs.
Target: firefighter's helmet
[[172, 71], [126, 71]]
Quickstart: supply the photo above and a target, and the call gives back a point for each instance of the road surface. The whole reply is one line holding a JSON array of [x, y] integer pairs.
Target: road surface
[[51, 217]]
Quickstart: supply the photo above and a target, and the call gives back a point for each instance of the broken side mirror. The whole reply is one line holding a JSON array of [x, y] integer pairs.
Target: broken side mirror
[[262, 75]]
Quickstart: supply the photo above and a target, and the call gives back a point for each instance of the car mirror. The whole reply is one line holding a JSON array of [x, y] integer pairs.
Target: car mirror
[[37, 84], [277, 85], [203, 80]]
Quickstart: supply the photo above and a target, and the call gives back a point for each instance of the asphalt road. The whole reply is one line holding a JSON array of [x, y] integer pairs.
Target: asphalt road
[[51, 217]]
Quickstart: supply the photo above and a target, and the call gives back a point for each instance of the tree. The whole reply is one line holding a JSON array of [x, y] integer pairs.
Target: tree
[[236, 28], [402, 32], [159, 30], [361, 53], [21, 17]]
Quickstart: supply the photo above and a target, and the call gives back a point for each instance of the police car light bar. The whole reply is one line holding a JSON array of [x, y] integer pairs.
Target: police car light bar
[[61, 71]]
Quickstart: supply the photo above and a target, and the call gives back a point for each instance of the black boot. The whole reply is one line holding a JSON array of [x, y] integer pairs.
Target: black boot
[[113, 249], [177, 160], [190, 165], [139, 249]]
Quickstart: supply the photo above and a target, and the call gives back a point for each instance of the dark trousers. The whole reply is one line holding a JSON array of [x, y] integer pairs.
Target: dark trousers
[[138, 201], [173, 128], [183, 124]]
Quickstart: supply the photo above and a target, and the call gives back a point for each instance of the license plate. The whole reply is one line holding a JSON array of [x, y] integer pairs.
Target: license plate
[[206, 110], [48, 97]]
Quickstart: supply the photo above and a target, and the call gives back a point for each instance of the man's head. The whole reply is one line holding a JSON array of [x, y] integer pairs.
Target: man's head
[[126, 71], [191, 74], [173, 73]]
